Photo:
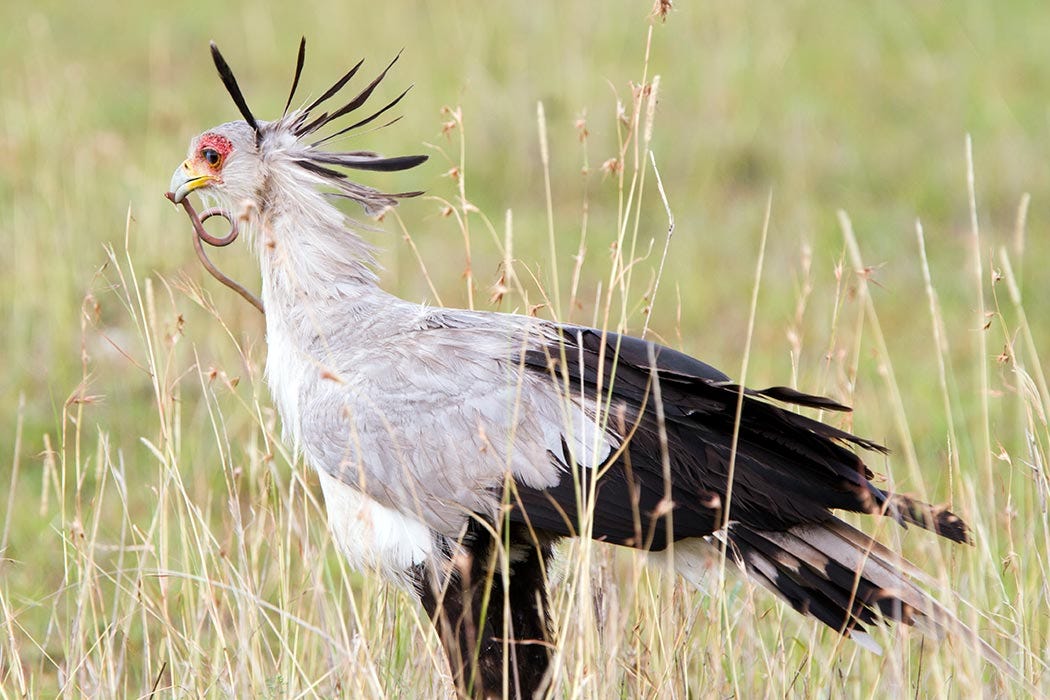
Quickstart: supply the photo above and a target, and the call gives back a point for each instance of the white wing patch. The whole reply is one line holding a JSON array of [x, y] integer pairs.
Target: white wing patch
[[588, 444]]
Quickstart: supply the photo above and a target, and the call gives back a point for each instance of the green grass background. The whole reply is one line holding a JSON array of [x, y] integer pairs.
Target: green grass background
[[857, 107]]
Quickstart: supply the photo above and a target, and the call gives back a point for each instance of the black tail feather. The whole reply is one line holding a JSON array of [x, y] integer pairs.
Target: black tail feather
[[934, 518], [827, 577]]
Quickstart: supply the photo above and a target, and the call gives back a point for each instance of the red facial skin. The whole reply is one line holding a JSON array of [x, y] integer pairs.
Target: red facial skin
[[220, 144]]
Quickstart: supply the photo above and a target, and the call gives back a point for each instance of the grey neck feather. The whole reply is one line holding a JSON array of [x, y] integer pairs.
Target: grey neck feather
[[307, 251]]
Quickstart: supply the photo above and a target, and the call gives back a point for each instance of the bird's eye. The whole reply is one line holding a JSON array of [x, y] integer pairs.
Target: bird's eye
[[211, 156]]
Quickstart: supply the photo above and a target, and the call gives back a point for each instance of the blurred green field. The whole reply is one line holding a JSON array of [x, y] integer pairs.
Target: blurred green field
[[138, 453]]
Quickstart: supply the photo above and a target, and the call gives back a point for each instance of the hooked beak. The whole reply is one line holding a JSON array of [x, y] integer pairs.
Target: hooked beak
[[185, 179]]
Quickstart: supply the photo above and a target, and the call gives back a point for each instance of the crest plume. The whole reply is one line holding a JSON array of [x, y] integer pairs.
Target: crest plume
[[301, 123], [336, 87], [352, 105], [298, 72], [231, 86]]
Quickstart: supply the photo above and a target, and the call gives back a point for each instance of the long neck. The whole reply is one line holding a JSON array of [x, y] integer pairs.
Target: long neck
[[318, 283], [308, 255]]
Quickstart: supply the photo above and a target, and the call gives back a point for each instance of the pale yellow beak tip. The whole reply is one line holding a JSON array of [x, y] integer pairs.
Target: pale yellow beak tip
[[184, 180]]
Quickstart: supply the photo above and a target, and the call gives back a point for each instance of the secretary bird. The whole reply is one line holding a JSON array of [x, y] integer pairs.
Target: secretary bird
[[454, 447]]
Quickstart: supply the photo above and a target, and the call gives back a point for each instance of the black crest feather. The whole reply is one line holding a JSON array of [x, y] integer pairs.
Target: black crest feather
[[298, 72], [231, 86], [369, 161], [366, 120], [302, 122], [336, 87]]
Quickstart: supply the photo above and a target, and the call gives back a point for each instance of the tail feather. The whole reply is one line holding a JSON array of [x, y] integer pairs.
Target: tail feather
[[837, 575], [817, 583], [934, 518], [822, 575]]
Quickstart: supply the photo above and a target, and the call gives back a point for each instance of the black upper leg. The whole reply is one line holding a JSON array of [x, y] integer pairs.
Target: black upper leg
[[471, 609]]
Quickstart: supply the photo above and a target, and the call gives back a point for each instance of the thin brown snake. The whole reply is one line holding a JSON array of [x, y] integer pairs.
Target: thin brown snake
[[218, 241]]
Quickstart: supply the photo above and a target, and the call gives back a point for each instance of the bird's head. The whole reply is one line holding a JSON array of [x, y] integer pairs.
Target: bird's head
[[224, 159], [233, 161]]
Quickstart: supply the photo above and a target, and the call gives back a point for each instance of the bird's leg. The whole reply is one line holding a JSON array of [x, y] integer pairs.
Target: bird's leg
[[433, 598], [470, 611], [441, 594], [528, 609]]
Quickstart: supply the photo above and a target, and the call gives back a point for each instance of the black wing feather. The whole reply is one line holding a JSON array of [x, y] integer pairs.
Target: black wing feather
[[790, 469]]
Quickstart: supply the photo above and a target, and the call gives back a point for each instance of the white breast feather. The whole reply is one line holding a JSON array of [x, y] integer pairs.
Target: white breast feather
[[372, 536]]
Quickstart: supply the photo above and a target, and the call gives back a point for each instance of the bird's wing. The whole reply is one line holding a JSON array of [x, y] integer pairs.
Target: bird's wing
[[446, 408], [674, 417], [431, 416]]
